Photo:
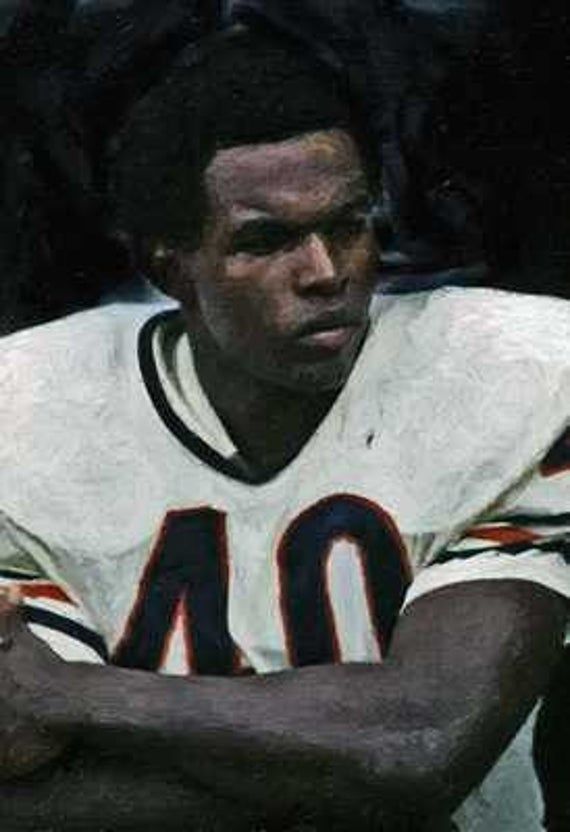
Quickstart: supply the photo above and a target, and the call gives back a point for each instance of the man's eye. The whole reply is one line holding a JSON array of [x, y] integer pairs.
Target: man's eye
[[355, 224], [346, 227], [263, 242]]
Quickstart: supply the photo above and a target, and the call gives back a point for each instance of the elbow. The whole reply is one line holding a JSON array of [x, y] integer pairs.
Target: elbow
[[371, 787], [333, 791], [414, 785], [372, 790], [25, 749], [424, 795], [416, 793]]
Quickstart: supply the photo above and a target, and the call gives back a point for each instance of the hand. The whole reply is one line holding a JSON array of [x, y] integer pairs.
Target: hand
[[29, 671]]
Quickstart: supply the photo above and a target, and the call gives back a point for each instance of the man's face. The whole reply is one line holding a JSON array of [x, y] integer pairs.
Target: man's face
[[282, 281]]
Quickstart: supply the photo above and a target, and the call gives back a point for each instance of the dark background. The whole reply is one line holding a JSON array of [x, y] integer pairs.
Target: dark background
[[466, 101]]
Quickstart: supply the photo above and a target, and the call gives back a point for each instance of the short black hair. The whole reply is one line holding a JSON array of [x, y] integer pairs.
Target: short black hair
[[249, 86]]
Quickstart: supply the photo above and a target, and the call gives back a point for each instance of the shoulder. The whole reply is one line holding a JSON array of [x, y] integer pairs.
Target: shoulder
[[476, 379], [485, 334], [513, 345], [500, 325], [499, 320], [533, 324], [71, 400], [61, 351], [59, 366]]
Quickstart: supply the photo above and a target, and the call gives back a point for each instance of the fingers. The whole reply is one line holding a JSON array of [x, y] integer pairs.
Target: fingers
[[10, 597], [10, 615]]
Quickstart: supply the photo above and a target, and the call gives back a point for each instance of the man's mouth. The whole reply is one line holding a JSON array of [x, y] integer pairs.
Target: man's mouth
[[330, 333], [331, 340]]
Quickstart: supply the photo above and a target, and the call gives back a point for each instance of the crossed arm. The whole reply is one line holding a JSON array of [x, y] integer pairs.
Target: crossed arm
[[395, 746]]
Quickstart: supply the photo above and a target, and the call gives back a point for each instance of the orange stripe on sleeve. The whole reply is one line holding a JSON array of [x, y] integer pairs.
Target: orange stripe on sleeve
[[503, 534], [45, 590]]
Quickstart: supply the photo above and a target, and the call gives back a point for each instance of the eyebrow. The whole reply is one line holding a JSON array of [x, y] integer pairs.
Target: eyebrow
[[259, 224], [259, 221]]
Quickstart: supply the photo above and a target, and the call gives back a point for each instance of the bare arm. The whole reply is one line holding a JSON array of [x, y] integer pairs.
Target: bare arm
[[93, 792], [409, 737], [87, 788]]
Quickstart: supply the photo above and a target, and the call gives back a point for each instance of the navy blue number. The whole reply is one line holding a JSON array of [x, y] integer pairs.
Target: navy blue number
[[187, 571], [305, 605]]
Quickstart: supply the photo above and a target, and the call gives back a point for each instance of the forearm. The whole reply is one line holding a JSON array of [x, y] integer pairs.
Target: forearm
[[408, 736], [93, 792], [250, 740], [328, 764]]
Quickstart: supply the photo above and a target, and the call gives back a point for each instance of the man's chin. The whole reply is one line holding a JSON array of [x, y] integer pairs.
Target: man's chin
[[322, 374], [315, 378]]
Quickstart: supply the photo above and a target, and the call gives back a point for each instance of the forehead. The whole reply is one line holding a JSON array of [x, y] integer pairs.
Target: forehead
[[293, 179]]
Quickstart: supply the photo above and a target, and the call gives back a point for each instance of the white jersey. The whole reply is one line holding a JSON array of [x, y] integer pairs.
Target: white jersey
[[137, 535]]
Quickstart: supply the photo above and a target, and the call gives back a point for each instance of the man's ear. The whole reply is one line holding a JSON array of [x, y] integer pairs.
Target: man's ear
[[171, 270]]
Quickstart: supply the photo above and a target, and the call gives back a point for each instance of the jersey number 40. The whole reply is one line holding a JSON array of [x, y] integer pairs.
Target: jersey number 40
[[187, 578]]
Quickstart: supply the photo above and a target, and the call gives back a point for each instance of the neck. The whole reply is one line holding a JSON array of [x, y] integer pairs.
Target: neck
[[267, 423]]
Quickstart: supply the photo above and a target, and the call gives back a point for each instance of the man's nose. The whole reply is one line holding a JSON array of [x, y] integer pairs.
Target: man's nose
[[315, 270]]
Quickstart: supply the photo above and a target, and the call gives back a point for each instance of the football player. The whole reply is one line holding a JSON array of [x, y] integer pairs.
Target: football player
[[340, 525]]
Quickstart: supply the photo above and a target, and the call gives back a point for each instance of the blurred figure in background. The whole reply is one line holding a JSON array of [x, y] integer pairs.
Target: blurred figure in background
[[69, 71], [465, 99]]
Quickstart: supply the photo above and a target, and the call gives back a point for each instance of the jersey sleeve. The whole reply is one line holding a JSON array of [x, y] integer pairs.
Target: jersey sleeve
[[49, 610], [527, 538]]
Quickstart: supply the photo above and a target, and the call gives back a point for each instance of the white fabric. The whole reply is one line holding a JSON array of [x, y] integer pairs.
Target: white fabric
[[455, 399], [177, 371]]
